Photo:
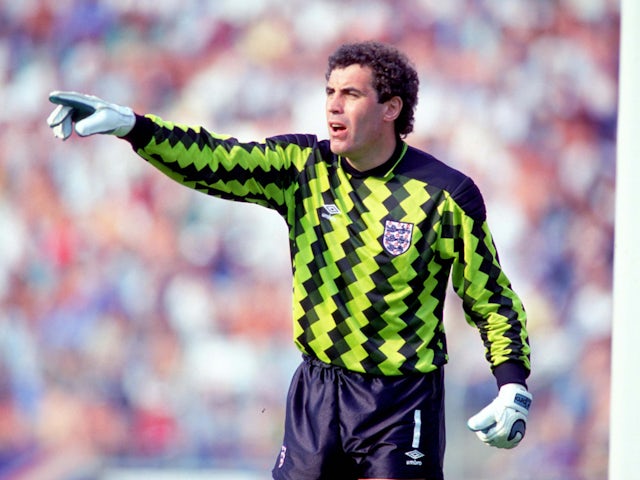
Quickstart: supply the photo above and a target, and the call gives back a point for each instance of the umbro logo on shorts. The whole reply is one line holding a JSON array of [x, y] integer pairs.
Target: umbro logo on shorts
[[414, 455]]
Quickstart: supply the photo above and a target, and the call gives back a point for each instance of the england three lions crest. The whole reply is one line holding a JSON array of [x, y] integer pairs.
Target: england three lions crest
[[397, 236]]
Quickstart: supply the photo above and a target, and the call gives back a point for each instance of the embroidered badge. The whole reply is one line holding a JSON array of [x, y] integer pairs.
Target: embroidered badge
[[397, 237]]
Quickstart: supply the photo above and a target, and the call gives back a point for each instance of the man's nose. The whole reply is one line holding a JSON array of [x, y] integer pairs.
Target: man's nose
[[334, 104]]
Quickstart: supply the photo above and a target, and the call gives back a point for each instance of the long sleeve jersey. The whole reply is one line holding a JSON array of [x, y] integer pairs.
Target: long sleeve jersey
[[372, 252]]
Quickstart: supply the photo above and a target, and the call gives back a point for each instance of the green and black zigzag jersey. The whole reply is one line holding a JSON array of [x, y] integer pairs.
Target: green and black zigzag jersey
[[372, 252]]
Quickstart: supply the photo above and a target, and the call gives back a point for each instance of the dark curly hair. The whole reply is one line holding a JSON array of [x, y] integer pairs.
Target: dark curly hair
[[393, 75]]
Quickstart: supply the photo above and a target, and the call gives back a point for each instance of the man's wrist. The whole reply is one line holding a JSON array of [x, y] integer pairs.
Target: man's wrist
[[511, 372]]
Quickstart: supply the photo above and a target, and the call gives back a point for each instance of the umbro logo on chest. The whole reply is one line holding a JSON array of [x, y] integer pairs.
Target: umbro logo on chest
[[328, 211]]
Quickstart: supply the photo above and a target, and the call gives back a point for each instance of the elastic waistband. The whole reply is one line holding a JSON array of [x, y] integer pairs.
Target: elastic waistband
[[316, 362]]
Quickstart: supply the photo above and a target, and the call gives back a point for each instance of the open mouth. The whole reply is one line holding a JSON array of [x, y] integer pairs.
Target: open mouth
[[336, 127]]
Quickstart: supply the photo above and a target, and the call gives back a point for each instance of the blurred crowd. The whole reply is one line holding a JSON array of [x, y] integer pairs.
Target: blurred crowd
[[143, 324]]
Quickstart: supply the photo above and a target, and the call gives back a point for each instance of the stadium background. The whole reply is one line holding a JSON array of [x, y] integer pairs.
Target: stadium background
[[145, 327]]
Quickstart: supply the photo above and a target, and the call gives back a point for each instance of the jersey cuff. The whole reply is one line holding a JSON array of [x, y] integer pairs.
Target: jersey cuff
[[141, 133], [511, 372]]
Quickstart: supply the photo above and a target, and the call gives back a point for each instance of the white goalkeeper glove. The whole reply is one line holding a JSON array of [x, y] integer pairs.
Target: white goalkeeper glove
[[503, 422], [90, 115]]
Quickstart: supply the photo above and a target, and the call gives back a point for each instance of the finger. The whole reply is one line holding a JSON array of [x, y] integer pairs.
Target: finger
[[64, 129], [59, 114], [95, 123], [483, 438], [483, 420], [83, 105]]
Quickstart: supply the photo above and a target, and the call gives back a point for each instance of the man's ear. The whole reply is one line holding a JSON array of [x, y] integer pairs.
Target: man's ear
[[393, 109]]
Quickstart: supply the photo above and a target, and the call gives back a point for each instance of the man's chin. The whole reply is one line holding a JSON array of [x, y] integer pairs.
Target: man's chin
[[337, 147]]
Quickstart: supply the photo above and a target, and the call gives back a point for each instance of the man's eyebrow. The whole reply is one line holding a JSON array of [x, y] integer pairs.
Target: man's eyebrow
[[346, 90]]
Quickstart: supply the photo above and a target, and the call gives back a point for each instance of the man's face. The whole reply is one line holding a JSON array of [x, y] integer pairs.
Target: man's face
[[357, 122]]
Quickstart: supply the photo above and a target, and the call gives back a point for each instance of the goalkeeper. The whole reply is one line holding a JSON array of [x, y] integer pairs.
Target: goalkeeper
[[377, 229]]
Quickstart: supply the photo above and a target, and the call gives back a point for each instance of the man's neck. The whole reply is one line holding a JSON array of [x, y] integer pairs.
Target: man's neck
[[375, 157], [379, 168]]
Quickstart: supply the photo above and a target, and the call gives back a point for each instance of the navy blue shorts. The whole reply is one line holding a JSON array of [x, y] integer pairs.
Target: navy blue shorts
[[342, 425]]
